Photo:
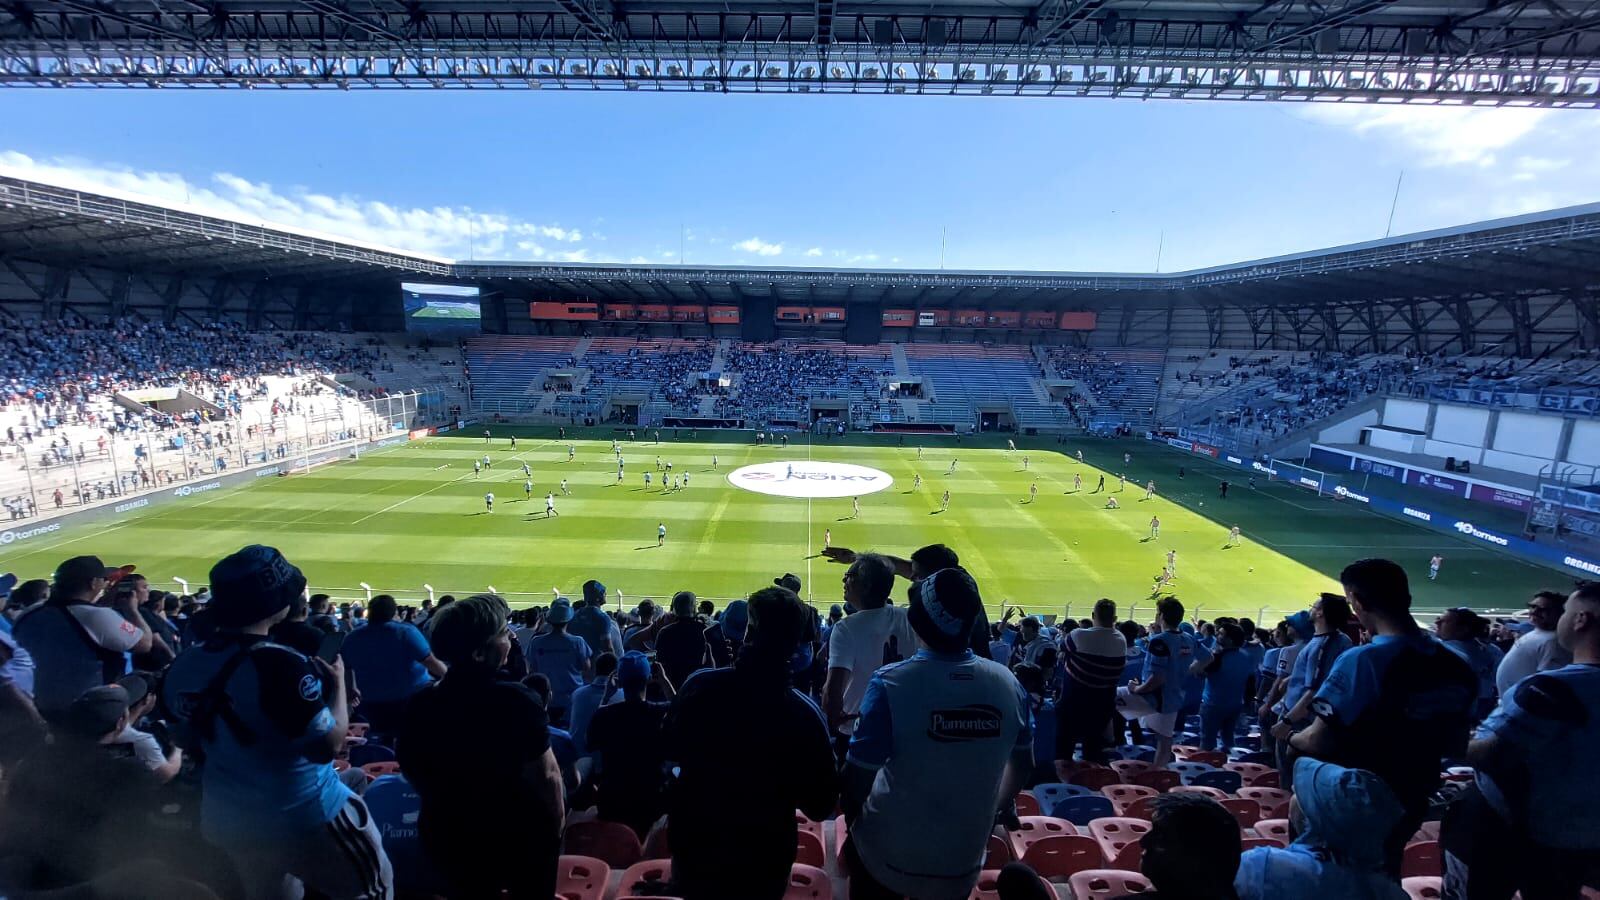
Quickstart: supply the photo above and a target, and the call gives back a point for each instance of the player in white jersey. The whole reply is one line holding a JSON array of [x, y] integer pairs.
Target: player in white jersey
[[1111, 503], [619, 474], [1077, 482], [855, 507], [1024, 464], [571, 452], [713, 462], [658, 464], [486, 462], [944, 502], [488, 501], [916, 481], [526, 472], [661, 534], [1080, 456], [952, 468], [686, 479], [1433, 567], [827, 538], [486, 436], [1155, 527], [676, 482], [564, 491], [1149, 489], [788, 471], [477, 467], [1163, 581], [1233, 536], [513, 442], [1172, 562], [647, 481], [550, 506], [614, 446], [919, 453], [1033, 492], [669, 467], [1011, 446], [1122, 482], [527, 489]]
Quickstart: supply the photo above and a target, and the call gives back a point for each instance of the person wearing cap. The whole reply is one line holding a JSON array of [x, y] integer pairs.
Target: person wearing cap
[[681, 643], [725, 637], [1467, 634], [874, 636], [751, 751], [591, 622], [477, 749], [922, 563], [107, 715], [391, 661], [629, 752], [1338, 818], [942, 743], [75, 644], [560, 656], [269, 721]]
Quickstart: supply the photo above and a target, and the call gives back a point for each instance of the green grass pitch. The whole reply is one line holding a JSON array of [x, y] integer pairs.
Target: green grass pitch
[[414, 515]]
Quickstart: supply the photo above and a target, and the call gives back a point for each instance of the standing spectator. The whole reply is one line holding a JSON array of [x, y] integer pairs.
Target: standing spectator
[[1538, 650], [1298, 630], [1031, 642], [391, 661], [590, 622], [725, 638], [1192, 849], [626, 740], [22, 729], [1093, 658], [1227, 676], [746, 726], [1311, 667], [1396, 706], [502, 727], [681, 645], [1467, 633], [1339, 818], [1531, 820], [559, 656], [599, 690], [321, 616], [874, 636], [942, 742], [75, 644], [1155, 698], [269, 722], [295, 632]]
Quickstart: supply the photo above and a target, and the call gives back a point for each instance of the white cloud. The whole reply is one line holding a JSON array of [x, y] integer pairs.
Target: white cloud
[[814, 251], [639, 261], [759, 247], [444, 232], [1442, 135]]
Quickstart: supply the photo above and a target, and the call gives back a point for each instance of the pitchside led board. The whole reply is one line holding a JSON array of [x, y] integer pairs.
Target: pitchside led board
[[442, 309]]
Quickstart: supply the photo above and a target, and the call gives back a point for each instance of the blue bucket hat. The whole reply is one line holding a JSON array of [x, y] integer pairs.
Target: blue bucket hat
[[1300, 623], [1347, 812], [735, 619]]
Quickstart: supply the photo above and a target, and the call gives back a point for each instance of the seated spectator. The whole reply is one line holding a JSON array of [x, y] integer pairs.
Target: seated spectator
[[625, 737], [600, 689], [561, 657], [502, 728], [75, 644], [1192, 849], [1539, 649], [745, 726], [1531, 821], [875, 635], [681, 643], [391, 661], [1094, 656], [1397, 706], [1339, 818], [269, 722], [920, 801], [107, 715]]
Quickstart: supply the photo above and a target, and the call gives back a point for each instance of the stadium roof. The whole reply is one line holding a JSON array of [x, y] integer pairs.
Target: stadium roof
[[1557, 250], [1452, 51]]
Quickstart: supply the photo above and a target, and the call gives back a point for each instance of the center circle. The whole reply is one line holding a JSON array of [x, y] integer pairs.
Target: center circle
[[809, 478]]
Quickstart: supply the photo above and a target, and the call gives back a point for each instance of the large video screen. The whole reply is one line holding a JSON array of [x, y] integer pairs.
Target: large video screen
[[442, 308]]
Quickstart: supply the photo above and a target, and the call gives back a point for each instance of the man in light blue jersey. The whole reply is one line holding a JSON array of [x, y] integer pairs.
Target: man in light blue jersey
[[1156, 696]]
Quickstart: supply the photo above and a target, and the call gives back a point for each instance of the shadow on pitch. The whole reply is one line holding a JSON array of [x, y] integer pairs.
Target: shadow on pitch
[[649, 547]]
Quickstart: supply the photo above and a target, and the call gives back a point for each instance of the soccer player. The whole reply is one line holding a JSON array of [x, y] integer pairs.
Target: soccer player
[[513, 442], [1024, 463], [1111, 503], [1077, 482], [952, 468], [944, 503], [527, 489], [1127, 459], [619, 474], [827, 538], [526, 472], [855, 507], [661, 534], [1011, 445], [1122, 482], [1172, 562], [658, 464], [1155, 527], [1233, 536], [686, 479], [1101, 486], [564, 491], [788, 471], [486, 435], [1033, 492], [916, 481], [919, 453], [676, 482], [488, 501], [1149, 489], [1222, 488], [647, 481], [614, 446], [1163, 581], [1080, 456], [477, 467], [550, 506], [486, 462], [669, 467], [571, 452], [713, 462], [1433, 567]]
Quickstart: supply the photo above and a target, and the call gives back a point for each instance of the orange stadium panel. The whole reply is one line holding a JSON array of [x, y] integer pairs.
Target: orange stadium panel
[[828, 313], [543, 309], [1005, 319], [899, 318], [1077, 321], [621, 312], [723, 315], [688, 314], [971, 318], [1039, 319], [655, 312]]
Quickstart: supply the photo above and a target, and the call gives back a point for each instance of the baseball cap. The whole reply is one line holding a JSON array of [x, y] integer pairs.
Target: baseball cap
[[1301, 624], [560, 612], [80, 572], [944, 607], [97, 710], [633, 670], [735, 618], [253, 584], [594, 592], [788, 580]]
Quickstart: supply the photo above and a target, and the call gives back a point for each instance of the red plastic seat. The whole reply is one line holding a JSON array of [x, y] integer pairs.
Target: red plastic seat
[[1246, 812], [1423, 887], [988, 888], [998, 853], [379, 769], [1211, 792], [808, 849], [640, 872], [611, 842], [1028, 805], [1278, 829], [1265, 779], [1162, 780], [658, 843], [1251, 843], [1099, 884], [1127, 768], [840, 832], [1246, 770], [1061, 855], [1122, 796], [581, 878], [1184, 751], [1094, 778], [1214, 758], [1119, 838], [1428, 831], [808, 883], [1034, 828], [1422, 858], [1142, 808], [1274, 801]]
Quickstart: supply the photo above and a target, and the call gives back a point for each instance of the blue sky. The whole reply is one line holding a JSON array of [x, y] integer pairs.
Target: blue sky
[[1083, 185]]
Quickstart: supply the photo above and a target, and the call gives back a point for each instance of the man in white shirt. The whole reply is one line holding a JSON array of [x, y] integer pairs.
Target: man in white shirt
[[875, 635], [77, 645], [1538, 650]]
